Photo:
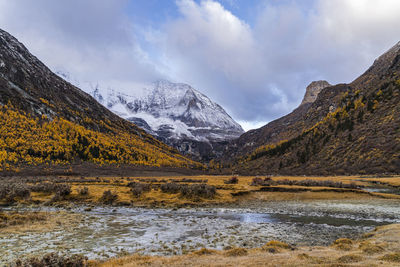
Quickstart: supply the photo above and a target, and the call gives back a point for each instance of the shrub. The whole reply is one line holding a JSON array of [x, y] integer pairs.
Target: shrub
[[84, 191], [108, 197], [43, 187], [53, 260], [257, 181], [232, 180], [10, 192], [20, 190], [171, 188], [323, 183], [190, 191], [188, 180], [198, 190], [60, 189], [139, 188]]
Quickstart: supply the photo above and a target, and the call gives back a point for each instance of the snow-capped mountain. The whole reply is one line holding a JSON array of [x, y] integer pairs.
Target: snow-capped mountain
[[172, 110], [175, 113]]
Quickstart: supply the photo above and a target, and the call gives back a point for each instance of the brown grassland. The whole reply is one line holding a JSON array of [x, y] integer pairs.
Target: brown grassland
[[380, 247], [277, 189], [35, 221]]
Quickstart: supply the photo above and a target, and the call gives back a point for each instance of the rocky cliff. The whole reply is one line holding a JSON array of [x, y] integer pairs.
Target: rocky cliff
[[313, 90]]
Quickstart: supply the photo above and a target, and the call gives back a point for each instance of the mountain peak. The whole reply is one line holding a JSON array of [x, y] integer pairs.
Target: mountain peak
[[312, 91], [175, 113]]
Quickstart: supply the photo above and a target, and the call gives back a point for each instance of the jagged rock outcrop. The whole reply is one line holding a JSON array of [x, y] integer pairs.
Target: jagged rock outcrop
[[312, 91]]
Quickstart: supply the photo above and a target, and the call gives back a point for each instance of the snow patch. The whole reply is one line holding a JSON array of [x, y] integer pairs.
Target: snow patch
[[172, 110]]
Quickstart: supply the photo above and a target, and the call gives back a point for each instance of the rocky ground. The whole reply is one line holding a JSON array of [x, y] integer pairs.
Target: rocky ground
[[232, 217], [378, 248]]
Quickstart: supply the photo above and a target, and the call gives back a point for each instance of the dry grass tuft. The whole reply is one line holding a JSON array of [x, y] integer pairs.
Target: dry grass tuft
[[312, 259], [343, 244], [350, 258], [275, 246], [392, 257], [14, 218], [303, 256], [276, 243], [204, 251], [371, 248], [14, 222], [234, 252]]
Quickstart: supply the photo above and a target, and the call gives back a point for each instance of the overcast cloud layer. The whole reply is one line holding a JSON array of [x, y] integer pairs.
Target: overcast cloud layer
[[256, 67]]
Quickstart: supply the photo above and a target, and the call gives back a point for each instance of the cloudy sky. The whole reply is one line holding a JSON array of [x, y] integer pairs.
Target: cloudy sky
[[254, 57]]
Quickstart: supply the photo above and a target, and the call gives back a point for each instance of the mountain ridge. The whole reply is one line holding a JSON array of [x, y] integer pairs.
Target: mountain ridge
[[175, 113], [349, 129], [46, 120], [282, 128]]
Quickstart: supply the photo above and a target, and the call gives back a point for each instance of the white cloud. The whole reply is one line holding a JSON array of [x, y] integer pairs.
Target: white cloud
[[92, 39], [251, 125], [218, 53], [210, 35], [260, 72], [257, 72]]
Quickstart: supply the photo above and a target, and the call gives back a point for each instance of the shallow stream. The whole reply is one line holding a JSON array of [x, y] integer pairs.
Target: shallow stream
[[106, 232]]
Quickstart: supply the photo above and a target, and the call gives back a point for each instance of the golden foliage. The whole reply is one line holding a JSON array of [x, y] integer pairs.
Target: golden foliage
[[28, 140]]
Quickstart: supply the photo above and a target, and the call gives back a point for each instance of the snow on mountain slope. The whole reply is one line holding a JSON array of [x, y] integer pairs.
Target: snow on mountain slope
[[174, 112]]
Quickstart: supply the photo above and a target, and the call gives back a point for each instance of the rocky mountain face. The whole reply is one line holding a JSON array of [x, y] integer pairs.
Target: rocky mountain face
[[349, 129], [312, 91], [175, 113], [46, 119], [285, 127]]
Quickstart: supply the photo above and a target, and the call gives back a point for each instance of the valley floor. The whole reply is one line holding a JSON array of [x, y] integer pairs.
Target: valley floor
[[380, 247], [67, 202]]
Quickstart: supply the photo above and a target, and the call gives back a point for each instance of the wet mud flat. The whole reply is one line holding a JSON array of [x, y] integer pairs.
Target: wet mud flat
[[105, 232]]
